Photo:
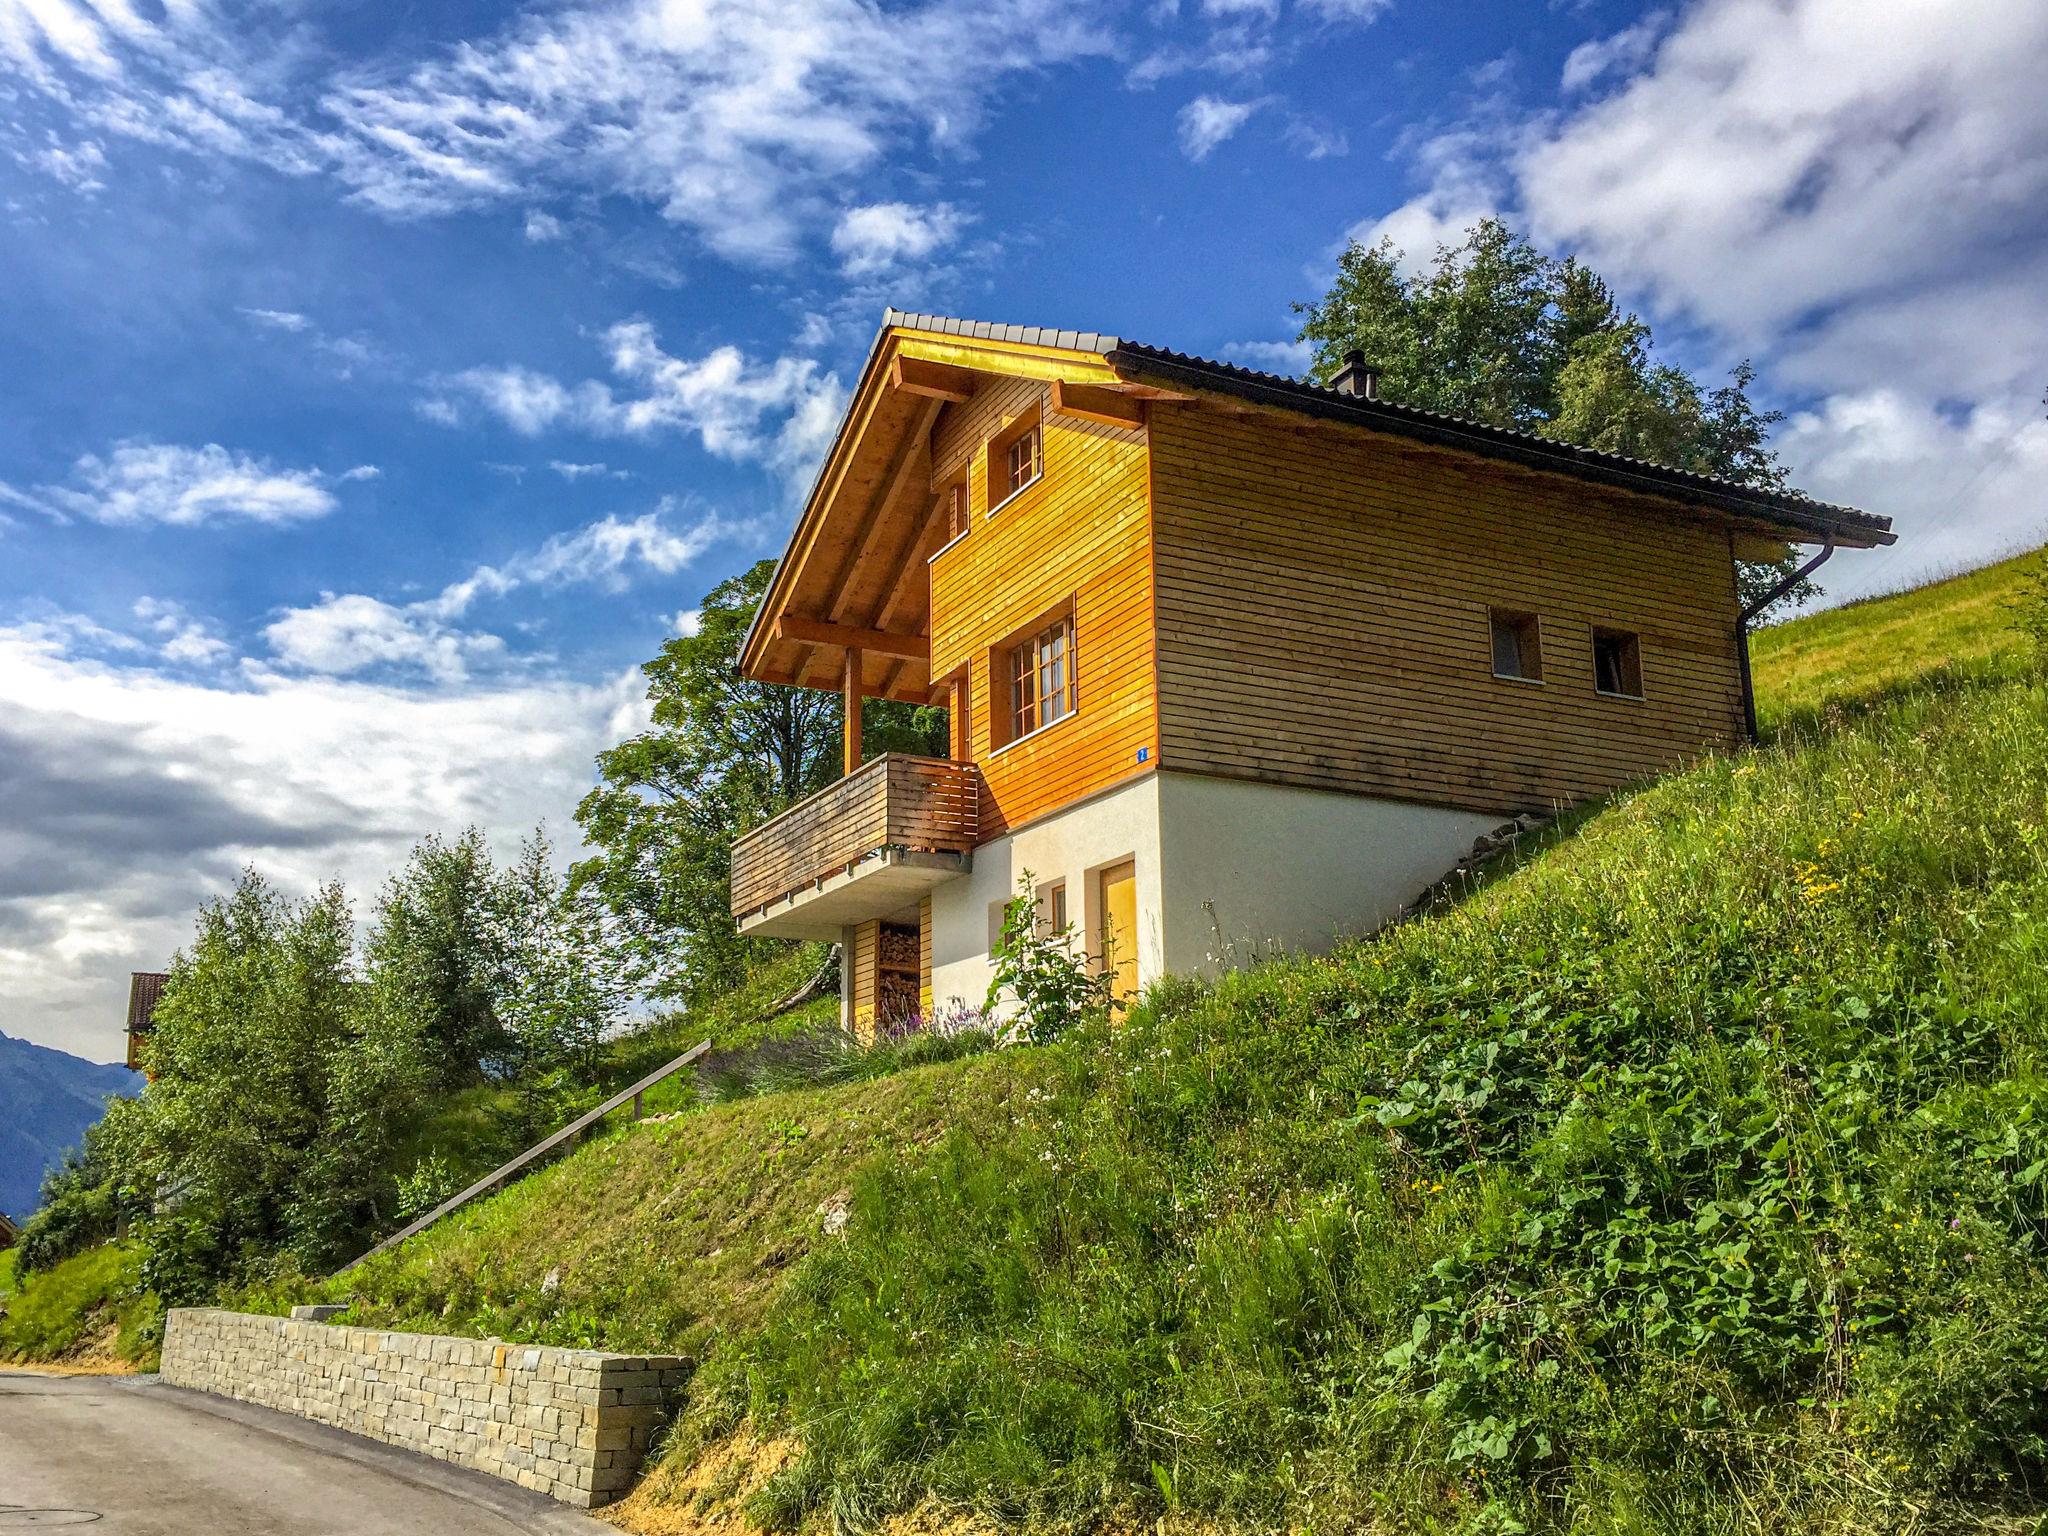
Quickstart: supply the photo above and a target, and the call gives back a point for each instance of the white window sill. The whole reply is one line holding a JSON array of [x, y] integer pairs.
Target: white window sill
[[1510, 677], [1626, 698], [950, 543], [1027, 485], [1035, 732]]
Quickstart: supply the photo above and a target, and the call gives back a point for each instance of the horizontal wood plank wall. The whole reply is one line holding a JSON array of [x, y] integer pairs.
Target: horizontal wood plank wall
[[1083, 531], [924, 956], [1323, 618]]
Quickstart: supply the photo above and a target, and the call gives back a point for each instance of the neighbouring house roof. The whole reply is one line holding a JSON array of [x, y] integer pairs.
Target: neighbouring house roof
[[8, 1230], [1797, 514], [144, 990]]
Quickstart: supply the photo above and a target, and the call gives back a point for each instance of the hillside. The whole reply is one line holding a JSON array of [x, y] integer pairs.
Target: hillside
[[47, 1099], [1688, 1175]]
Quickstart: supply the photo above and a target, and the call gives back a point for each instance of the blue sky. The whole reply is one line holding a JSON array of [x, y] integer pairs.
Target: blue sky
[[382, 383]]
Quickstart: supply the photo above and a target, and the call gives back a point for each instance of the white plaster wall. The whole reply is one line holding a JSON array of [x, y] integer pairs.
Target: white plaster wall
[[1122, 823], [1248, 868]]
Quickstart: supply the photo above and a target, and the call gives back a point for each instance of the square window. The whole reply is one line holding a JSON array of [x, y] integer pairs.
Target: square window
[[1517, 646], [1016, 457], [1618, 663]]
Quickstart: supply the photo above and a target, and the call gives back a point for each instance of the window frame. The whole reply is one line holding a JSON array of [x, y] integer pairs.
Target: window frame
[[1631, 642], [1527, 628], [956, 488], [1027, 424], [1005, 675]]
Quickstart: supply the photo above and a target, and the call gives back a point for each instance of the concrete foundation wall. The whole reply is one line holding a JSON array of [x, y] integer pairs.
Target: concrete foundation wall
[[571, 1423], [1253, 869]]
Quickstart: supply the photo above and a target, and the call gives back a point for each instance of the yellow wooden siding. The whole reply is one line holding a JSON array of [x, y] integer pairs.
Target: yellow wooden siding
[[924, 956], [862, 959], [1082, 531], [1323, 602]]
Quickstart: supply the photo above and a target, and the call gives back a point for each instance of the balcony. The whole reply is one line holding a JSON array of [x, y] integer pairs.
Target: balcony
[[867, 847]]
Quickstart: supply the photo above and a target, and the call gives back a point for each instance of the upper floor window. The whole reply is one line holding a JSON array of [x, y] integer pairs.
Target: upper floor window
[[1041, 669], [1016, 457], [1618, 663], [1517, 646], [951, 508]]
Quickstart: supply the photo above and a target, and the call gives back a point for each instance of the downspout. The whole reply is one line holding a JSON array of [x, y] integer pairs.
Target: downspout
[[1742, 623]]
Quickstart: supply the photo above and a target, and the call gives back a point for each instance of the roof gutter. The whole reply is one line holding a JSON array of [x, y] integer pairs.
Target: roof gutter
[[1748, 615]]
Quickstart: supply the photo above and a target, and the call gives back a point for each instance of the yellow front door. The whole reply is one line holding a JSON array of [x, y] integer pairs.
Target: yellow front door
[[1117, 898]]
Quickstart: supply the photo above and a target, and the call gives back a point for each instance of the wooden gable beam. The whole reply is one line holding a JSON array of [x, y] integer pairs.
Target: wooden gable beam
[[852, 637], [1092, 402], [936, 381], [910, 453]]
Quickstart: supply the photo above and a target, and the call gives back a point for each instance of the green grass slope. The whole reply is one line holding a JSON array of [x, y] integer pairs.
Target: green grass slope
[[1847, 655]]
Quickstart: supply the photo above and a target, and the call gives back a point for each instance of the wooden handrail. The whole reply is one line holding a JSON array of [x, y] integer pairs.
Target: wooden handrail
[[503, 1175]]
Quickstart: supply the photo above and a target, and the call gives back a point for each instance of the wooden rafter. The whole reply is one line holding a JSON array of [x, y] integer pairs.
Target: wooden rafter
[[909, 454], [937, 381], [818, 632], [1091, 402]]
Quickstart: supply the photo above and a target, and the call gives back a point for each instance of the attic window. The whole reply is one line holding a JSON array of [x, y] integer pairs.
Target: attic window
[[951, 508], [1618, 663], [1517, 646], [1016, 458]]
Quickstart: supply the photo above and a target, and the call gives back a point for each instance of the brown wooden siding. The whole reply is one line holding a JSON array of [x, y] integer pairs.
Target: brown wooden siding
[[1323, 602], [1082, 532], [892, 801], [864, 977]]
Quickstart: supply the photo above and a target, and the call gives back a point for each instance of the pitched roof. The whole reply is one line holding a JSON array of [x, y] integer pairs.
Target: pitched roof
[[145, 988], [1784, 509]]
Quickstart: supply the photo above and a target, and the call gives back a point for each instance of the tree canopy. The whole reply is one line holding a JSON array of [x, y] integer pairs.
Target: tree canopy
[[1494, 330], [721, 755]]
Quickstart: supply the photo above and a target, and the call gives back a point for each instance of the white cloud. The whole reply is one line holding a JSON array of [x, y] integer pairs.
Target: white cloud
[[738, 409], [278, 319], [741, 120], [689, 622], [182, 639], [1855, 196], [1354, 11], [569, 471], [543, 227], [145, 482], [1624, 51], [140, 793], [345, 634], [880, 236], [1207, 121], [1284, 357]]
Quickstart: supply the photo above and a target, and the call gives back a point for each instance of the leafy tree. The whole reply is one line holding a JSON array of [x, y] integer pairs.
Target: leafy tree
[[90, 1195], [721, 756], [563, 984], [281, 1085], [434, 954], [1498, 332]]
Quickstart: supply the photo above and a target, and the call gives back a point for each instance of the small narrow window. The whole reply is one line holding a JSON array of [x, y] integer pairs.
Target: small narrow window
[[1052, 908], [1618, 663], [1039, 670], [1517, 646], [950, 510], [1016, 457]]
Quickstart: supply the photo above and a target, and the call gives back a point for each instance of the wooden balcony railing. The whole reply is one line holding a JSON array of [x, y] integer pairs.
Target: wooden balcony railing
[[920, 804]]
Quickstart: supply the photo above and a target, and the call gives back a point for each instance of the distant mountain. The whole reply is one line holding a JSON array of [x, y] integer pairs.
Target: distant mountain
[[47, 1099]]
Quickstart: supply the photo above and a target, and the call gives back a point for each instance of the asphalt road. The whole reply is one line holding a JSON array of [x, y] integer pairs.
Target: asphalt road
[[129, 1454]]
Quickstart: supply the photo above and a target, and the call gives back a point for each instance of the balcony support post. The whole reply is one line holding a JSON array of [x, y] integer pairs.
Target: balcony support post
[[850, 686]]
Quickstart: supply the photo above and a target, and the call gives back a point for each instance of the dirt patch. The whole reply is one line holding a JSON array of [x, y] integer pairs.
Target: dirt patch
[[709, 1495], [93, 1355]]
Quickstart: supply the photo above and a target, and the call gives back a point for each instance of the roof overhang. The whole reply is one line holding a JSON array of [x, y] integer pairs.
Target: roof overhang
[[853, 576]]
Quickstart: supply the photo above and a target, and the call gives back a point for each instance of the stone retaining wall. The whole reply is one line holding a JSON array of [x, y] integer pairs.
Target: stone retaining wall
[[572, 1423]]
